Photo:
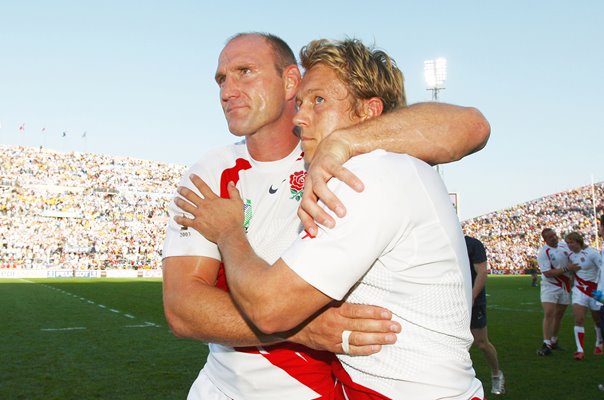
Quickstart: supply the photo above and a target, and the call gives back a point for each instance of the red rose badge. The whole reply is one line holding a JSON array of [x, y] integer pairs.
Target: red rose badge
[[296, 184]]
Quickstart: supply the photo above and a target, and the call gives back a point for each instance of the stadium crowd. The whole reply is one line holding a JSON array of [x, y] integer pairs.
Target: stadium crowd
[[92, 211], [513, 236], [82, 210]]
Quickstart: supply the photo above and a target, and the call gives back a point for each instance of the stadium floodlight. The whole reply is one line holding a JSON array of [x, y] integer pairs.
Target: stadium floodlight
[[435, 73]]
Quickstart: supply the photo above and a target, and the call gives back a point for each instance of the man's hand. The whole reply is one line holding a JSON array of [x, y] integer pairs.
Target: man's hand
[[212, 216], [330, 155], [573, 267], [371, 328]]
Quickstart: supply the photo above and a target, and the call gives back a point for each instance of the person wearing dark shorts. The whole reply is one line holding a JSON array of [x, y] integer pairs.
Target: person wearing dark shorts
[[478, 324]]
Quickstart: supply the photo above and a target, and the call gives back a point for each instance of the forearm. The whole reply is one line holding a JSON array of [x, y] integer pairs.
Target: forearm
[[555, 272], [479, 284], [434, 132], [196, 309], [246, 274], [273, 297]]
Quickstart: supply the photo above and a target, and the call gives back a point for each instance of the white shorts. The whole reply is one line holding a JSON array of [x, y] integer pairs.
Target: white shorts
[[554, 294], [204, 389], [584, 300]]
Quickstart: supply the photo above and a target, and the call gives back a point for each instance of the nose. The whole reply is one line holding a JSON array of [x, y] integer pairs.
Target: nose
[[228, 89], [301, 118]]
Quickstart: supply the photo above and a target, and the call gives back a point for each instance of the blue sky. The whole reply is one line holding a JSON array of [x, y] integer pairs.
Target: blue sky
[[137, 77]]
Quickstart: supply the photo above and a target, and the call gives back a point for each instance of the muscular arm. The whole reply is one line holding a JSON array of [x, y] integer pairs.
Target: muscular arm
[[196, 309], [481, 279], [274, 297], [559, 271], [434, 132]]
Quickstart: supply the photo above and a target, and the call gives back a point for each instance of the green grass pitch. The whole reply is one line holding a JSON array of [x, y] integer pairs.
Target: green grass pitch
[[108, 339]]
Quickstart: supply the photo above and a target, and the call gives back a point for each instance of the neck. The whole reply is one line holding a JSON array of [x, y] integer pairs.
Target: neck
[[274, 141]]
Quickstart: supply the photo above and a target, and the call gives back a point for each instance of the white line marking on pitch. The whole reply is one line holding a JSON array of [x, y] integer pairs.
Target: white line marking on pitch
[[147, 324], [113, 310], [75, 328]]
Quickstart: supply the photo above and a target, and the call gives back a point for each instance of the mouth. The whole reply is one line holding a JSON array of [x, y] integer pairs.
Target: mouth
[[232, 108]]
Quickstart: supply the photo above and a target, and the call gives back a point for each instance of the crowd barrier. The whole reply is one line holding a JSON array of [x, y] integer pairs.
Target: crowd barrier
[[70, 273]]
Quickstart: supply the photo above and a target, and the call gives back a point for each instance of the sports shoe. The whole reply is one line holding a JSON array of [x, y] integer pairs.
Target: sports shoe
[[598, 350], [556, 346], [601, 387], [544, 350], [579, 355], [498, 384]]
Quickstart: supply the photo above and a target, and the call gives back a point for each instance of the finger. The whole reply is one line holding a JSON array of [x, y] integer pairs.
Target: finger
[[190, 195], [368, 339], [372, 325], [321, 191], [349, 178], [185, 205], [204, 189], [364, 350], [233, 192], [316, 213], [350, 310], [308, 222], [184, 221]]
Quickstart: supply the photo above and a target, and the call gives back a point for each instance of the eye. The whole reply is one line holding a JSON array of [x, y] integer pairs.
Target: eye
[[245, 71], [319, 100]]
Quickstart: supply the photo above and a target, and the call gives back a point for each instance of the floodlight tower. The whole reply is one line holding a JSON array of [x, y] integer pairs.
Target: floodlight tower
[[435, 74]]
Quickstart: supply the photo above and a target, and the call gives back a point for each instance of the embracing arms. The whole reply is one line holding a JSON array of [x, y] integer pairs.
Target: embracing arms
[[437, 133]]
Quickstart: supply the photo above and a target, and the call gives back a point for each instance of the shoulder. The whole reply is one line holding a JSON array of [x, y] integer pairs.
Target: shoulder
[[221, 157], [391, 166]]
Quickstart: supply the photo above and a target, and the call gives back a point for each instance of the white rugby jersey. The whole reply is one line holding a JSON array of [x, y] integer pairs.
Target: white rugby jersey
[[555, 258], [586, 279], [400, 246], [271, 192]]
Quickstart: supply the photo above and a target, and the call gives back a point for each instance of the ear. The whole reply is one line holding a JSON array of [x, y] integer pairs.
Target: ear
[[291, 80], [372, 108]]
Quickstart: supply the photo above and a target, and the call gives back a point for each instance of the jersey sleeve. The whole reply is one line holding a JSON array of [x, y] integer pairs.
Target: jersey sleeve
[[543, 260], [337, 258], [183, 241], [478, 253]]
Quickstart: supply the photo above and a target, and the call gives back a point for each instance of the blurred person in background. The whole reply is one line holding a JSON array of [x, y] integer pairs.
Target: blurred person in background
[[585, 261], [478, 325], [556, 280]]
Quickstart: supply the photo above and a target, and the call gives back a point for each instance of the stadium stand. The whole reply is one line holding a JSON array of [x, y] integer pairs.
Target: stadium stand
[[91, 211], [83, 211], [512, 236]]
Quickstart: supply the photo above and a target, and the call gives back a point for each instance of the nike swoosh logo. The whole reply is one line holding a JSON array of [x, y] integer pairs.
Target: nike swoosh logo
[[272, 190]]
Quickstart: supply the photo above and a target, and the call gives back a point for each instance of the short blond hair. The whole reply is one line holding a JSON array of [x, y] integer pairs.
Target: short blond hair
[[365, 71], [577, 238]]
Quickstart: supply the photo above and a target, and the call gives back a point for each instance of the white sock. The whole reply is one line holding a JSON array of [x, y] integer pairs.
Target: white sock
[[579, 335]]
